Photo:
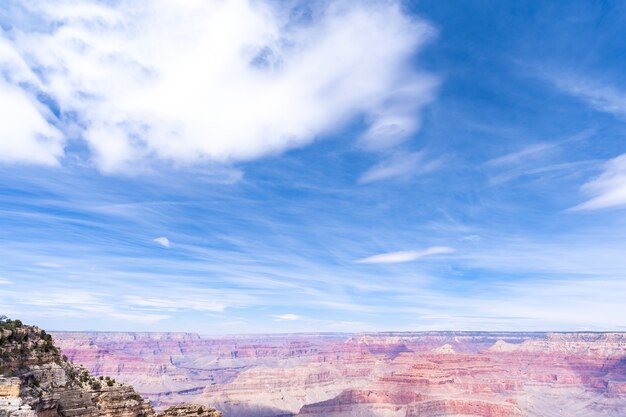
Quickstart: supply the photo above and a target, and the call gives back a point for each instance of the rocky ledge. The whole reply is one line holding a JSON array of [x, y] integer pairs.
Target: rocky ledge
[[190, 410], [36, 381]]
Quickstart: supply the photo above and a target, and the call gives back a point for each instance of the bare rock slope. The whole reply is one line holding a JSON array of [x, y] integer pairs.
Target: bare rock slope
[[37, 381]]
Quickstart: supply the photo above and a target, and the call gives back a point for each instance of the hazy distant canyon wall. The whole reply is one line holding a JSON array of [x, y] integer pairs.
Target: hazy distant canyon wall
[[399, 375]]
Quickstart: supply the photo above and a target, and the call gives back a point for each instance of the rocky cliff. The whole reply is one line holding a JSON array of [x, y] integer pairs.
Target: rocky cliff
[[37, 381]]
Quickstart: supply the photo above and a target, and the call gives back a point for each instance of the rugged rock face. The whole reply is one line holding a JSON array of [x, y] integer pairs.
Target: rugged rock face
[[36, 381], [370, 375], [190, 410]]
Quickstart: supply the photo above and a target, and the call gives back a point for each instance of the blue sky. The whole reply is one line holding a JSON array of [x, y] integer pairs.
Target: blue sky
[[253, 166]]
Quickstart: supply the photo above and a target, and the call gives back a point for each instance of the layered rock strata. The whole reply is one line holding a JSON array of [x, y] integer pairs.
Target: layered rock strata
[[37, 381], [368, 375]]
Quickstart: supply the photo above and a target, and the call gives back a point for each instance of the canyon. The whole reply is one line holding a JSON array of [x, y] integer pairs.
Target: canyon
[[422, 374]]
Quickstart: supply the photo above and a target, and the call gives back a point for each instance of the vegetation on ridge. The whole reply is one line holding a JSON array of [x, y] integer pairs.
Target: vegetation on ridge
[[53, 386]]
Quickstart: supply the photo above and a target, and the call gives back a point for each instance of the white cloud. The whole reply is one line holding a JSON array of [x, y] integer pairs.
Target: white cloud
[[25, 135], [602, 97], [399, 165], [529, 152], [190, 82], [537, 152], [163, 241], [404, 256], [609, 189], [51, 265], [204, 302], [536, 160], [287, 317], [472, 238], [4, 281], [84, 304]]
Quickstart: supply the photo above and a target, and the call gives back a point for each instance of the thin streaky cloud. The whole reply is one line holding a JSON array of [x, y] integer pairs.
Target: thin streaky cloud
[[46, 264], [404, 256], [608, 189], [537, 151], [514, 174], [287, 317], [601, 96], [538, 159], [400, 165], [523, 154]]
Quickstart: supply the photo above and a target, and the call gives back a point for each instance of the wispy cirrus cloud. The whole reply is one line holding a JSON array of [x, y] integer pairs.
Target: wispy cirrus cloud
[[71, 303], [528, 152], [404, 256], [536, 160], [608, 189], [47, 264], [401, 165], [287, 317], [190, 299], [601, 96], [198, 82]]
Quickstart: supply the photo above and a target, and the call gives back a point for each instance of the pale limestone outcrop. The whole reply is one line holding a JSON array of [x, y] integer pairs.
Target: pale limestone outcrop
[[446, 349], [11, 404]]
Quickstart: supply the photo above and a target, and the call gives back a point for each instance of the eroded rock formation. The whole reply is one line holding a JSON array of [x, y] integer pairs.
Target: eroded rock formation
[[37, 381], [392, 375]]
